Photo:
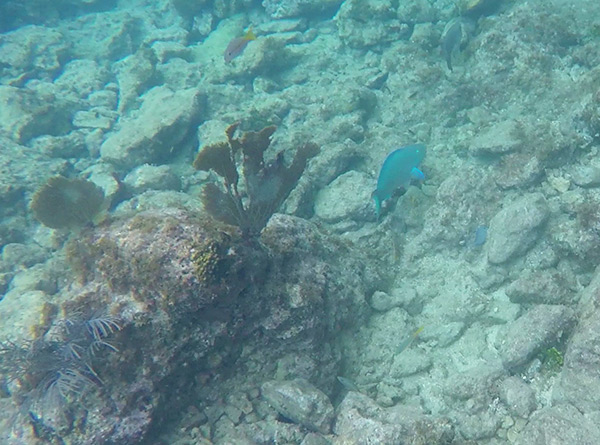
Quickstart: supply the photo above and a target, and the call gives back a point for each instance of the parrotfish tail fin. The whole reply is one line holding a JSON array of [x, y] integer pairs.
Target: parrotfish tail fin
[[449, 61], [417, 174], [377, 204], [250, 34]]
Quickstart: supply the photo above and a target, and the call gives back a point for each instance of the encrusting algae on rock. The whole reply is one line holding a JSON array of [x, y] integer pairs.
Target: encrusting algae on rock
[[200, 258]]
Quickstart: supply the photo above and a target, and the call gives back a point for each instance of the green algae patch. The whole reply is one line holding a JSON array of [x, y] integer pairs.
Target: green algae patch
[[552, 360]]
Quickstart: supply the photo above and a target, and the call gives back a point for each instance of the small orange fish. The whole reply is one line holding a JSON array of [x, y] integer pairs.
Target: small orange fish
[[238, 45]]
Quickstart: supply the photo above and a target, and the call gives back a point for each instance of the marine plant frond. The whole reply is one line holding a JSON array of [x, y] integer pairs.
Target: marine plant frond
[[266, 184], [218, 157], [101, 344], [291, 175], [13, 360], [62, 383], [60, 365], [73, 351], [229, 132], [100, 327], [253, 145], [223, 206]]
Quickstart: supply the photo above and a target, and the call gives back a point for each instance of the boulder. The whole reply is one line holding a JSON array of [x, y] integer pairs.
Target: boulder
[[515, 228], [163, 121], [301, 402]]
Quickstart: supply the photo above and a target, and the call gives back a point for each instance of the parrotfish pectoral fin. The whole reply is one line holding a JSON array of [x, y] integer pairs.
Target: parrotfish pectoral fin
[[377, 204], [417, 174]]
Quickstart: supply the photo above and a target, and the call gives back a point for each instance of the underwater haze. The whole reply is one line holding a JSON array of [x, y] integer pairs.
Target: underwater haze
[[299, 222]]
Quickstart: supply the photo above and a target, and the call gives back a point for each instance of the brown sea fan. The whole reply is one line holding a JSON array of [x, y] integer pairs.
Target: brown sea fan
[[66, 203], [266, 184]]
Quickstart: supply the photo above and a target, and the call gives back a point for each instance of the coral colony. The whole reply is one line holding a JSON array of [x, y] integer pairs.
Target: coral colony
[[265, 185], [59, 366]]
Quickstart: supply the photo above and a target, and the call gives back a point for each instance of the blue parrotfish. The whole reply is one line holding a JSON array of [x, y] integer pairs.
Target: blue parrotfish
[[397, 170]]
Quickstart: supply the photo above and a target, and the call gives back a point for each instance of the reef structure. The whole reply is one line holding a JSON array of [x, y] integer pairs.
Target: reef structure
[[192, 297]]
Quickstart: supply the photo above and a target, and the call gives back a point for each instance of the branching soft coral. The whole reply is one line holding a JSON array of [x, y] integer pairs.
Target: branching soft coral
[[265, 184], [59, 367]]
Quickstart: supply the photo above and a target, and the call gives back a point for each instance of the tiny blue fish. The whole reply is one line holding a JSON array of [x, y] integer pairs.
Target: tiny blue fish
[[397, 170], [480, 236]]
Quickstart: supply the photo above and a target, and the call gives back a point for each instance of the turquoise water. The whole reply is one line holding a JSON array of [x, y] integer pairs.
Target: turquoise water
[[190, 251]]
